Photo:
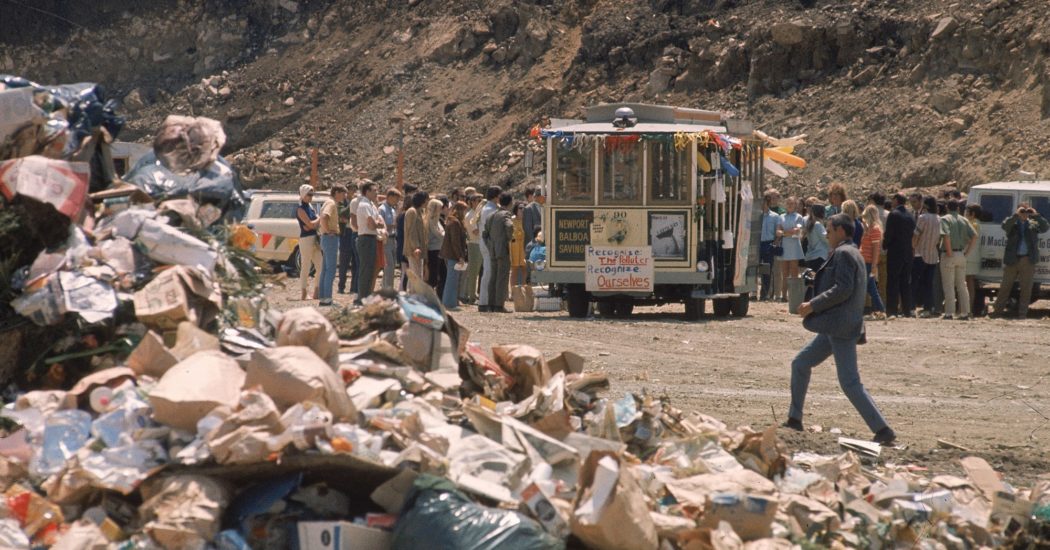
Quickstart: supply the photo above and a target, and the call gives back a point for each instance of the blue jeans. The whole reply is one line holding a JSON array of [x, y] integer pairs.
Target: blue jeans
[[845, 352], [330, 253], [873, 291], [449, 295]]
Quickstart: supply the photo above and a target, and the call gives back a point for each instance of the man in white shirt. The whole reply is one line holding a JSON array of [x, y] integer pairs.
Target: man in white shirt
[[350, 259], [369, 223], [490, 208], [468, 283], [388, 210]]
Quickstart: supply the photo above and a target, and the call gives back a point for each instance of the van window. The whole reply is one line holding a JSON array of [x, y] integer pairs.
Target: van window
[[1041, 204], [998, 207], [573, 175], [284, 209], [278, 209]]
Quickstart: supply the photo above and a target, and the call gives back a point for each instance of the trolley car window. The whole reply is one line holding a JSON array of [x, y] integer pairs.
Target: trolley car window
[[574, 175], [669, 174], [621, 173]]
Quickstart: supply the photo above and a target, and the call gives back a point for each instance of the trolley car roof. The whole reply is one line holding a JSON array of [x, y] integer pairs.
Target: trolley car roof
[[655, 119], [640, 128]]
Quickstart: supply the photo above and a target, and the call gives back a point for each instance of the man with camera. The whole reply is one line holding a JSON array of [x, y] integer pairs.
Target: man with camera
[[1022, 252]]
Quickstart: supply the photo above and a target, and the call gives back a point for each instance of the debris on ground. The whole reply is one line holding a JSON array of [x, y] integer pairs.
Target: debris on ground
[[156, 401]]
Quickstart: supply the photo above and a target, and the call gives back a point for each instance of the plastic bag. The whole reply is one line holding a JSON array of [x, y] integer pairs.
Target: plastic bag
[[436, 515], [217, 184]]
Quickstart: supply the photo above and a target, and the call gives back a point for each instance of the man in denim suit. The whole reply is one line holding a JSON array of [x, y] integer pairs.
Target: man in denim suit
[[836, 314]]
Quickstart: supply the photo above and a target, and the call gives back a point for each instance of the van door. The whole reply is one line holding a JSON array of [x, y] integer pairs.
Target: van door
[[996, 206], [1041, 203]]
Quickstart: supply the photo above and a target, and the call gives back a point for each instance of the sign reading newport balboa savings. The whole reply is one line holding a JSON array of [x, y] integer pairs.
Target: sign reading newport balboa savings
[[619, 269]]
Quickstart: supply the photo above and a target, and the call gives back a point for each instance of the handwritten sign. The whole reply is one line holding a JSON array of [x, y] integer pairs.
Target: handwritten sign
[[619, 269]]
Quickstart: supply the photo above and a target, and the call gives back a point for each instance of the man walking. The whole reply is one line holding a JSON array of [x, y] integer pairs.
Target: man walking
[[498, 231], [957, 237], [328, 229], [491, 206], [897, 242], [369, 224], [388, 210], [836, 314], [1019, 259]]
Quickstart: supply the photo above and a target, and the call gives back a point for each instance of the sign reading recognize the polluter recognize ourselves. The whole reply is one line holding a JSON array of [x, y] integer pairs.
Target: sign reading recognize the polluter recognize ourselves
[[619, 269]]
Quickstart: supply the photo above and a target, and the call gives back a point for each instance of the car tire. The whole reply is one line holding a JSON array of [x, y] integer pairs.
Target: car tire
[[624, 309], [723, 307], [607, 309], [738, 306], [694, 308], [578, 301], [294, 264]]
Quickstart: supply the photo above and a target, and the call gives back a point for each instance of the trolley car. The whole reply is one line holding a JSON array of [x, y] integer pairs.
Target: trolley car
[[652, 205]]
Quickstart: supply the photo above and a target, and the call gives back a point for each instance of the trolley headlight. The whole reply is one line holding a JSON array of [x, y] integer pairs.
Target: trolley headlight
[[538, 265], [701, 267]]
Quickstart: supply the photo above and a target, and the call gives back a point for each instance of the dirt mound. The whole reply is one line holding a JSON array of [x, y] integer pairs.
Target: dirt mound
[[891, 95]]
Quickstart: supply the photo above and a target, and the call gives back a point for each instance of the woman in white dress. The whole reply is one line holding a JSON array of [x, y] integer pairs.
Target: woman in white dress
[[789, 231]]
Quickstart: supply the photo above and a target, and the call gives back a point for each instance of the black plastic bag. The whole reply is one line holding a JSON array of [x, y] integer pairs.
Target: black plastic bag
[[218, 184], [437, 515]]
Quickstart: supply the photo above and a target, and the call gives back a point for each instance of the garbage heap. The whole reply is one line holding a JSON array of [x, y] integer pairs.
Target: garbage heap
[[158, 402], [384, 427]]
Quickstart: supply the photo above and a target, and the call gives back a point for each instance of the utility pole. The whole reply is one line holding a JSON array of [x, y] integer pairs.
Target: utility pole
[[401, 158], [313, 164]]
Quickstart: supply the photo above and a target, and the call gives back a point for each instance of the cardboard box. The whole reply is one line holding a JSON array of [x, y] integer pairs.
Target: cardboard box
[[177, 294], [750, 515], [524, 299], [341, 535]]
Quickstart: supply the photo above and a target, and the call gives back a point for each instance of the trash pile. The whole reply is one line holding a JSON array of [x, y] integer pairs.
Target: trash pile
[[156, 401]]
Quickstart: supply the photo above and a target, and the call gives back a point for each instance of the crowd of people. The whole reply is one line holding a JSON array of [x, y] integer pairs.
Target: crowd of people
[[919, 251], [470, 247]]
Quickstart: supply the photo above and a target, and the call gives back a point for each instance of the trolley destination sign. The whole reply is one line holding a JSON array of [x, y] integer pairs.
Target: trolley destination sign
[[619, 269]]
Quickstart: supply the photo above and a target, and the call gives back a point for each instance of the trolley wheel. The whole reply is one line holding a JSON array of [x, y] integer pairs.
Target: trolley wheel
[[723, 306], [739, 305], [694, 308], [579, 301], [624, 309], [607, 309]]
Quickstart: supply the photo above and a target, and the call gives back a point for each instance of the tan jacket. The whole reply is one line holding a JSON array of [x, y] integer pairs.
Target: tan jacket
[[415, 233]]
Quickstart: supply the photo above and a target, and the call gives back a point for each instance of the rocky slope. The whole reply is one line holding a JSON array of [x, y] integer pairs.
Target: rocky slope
[[891, 94]]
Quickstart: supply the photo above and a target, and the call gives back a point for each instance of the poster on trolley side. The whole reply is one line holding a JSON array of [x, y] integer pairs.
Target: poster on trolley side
[[619, 269]]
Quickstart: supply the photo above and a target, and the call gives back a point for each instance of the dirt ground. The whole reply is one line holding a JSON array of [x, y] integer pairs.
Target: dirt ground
[[982, 384]]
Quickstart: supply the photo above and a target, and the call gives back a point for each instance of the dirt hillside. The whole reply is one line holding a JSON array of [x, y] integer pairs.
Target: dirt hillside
[[891, 94]]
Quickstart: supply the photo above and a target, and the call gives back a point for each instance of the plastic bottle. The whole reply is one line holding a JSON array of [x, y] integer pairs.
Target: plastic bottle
[[312, 424], [64, 434], [101, 399]]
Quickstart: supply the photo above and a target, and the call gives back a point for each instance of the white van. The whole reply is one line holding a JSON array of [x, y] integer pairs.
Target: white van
[[999, 201]]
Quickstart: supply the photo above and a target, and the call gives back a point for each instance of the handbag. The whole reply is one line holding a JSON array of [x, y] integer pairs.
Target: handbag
[[778, 248]]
